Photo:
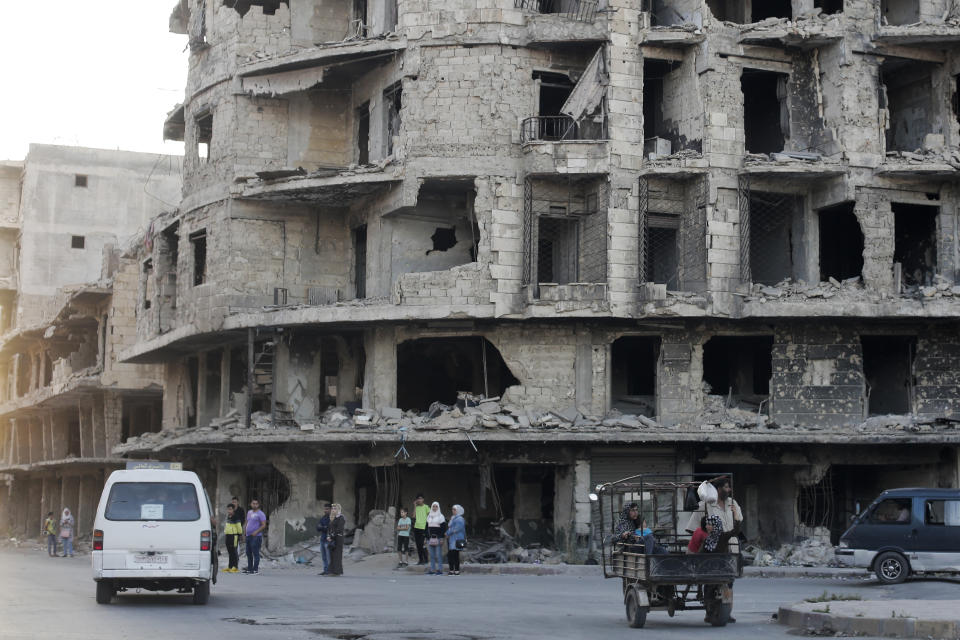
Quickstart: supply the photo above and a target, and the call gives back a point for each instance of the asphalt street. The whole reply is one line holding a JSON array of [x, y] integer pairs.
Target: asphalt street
[[54, 598]]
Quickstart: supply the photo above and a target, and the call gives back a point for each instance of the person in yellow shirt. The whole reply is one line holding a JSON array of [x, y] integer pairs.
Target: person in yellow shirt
[[420, 512], [233, 531], [50, 530]]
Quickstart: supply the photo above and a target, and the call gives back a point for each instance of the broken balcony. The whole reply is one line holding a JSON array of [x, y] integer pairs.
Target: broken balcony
[[565, 238], [433, 247], [668, 127], [568, 111]]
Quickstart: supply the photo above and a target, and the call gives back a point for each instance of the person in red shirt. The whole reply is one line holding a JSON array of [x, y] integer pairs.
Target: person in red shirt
[[699, 536]]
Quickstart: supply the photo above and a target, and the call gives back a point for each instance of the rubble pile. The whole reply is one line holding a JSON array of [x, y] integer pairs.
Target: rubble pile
[[941, 288], [937, 153], [813, 550], [475, 413], [851, 288]]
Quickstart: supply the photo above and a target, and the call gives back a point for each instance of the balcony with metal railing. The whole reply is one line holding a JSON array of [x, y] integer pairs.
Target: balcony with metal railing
[[582, 10]]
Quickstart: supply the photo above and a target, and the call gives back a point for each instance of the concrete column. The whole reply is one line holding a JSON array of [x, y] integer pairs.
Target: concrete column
[[50, 495], [87, 504], [225, 381], [200, 401], [36, 440], [380, 377], [34, 513], [582, 507], [70, 497], [86, 431], [345, 490], [583, 371], [99, 427], [112, 415]]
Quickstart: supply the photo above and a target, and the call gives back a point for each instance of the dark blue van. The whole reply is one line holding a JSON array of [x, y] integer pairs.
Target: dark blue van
[[904, 532]]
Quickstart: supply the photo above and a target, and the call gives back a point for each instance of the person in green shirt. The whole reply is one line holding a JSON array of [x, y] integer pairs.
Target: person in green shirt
[[50, 530], [420, 511]]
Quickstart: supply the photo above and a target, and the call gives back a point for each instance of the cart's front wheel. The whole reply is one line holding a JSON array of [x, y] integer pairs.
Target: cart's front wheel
[[636, 614]]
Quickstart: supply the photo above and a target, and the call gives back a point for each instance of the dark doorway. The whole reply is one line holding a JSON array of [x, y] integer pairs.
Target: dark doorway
[[766, 120], [73, 438], [739, 366], [555, 88], [434, 369], [360, 260], [915, 242], [888, 371], [557, 242], [363, 134], [841, 243], [633, 385], [776, 237]]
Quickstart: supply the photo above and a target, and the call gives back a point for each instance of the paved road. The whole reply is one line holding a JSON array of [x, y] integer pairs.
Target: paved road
[[54, 598]]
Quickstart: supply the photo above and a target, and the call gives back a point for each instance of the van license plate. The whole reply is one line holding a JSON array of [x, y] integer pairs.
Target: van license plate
[[143, 558]]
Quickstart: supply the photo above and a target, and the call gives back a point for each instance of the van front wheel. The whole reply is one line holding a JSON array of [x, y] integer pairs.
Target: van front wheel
[[201, 592], [891, 568], [105, 592]]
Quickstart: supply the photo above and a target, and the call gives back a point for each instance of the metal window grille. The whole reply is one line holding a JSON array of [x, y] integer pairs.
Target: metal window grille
[[565, 230], [767, 226], [582, 10], [672, 226]]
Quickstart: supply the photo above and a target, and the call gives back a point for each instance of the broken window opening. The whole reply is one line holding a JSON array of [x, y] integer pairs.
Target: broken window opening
[[766, 115], [359, 25], [168, 256], [955, 98], [360, 261], [243, 6], [663, 255], [568, 111], [672, 227], [443, 239], [147, 283], [828, 7], [888, 373], [763, 9], [47, 369], [198, 239], [658, 137], [363, 133], [899, 12], [776, 238], [633, 385], [565, 236], [841, 243], [204, 134], [139, 417], [729, 10], [818, 504], [435, 369], [73, 438], [906, 92], [77, 242], [80, 180], [663, 14], [915, 242], [740, 368], [324, 484], [329, 372], [392, 103]]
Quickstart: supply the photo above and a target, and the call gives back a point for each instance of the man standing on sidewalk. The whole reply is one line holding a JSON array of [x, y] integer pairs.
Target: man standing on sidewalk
[[420, 511], [255, 526], [323, 529]]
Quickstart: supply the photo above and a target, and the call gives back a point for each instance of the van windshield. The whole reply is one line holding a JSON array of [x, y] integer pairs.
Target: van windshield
[[168, 501]]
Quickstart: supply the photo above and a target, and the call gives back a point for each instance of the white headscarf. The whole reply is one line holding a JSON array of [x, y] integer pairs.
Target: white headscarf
[[66, 515], [457, 510], [435, 518]]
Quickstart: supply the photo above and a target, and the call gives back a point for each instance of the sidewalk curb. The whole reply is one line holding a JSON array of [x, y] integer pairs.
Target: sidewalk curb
[[583, 570], [826, 623]]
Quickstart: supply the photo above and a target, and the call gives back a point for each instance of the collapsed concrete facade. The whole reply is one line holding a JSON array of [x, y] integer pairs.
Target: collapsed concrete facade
[[65, 399], [669, 235]]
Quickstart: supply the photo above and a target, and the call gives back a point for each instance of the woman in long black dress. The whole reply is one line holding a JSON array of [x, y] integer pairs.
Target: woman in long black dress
[[335, 536]]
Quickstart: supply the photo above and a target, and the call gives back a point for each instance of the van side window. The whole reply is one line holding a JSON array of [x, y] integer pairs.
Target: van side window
[[942, 512], [892, 511]]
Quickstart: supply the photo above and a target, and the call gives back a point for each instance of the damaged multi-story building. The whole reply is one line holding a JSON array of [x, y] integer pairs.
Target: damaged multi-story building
[[67, 214], [498, 251]]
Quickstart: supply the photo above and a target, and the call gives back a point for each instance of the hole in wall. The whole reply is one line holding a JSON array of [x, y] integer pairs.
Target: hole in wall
[[443, 238]]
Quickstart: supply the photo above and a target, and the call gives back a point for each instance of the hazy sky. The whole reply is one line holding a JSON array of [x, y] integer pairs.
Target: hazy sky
[[94, 73]]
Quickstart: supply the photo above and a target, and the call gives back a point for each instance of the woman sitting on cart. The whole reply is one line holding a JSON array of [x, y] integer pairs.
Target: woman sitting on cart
[[632, 532]]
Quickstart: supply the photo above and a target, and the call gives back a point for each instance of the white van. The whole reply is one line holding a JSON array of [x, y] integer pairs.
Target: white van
[[153, 531]]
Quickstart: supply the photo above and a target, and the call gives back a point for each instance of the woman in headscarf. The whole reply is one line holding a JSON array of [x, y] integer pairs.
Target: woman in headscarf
[[436, 522], [714, 533], [335, 538], [66, 532], [456, 538]]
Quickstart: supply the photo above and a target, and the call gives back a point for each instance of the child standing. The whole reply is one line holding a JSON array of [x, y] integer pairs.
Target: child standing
[[50, 530], [233, 530], [403, 537]]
